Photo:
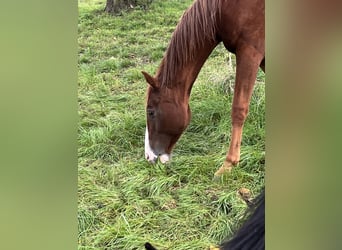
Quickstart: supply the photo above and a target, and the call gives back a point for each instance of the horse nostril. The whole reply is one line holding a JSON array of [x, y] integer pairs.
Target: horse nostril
[[151, 158]]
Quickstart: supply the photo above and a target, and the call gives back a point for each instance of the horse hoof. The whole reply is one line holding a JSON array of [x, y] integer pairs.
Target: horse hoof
[[225, 168]]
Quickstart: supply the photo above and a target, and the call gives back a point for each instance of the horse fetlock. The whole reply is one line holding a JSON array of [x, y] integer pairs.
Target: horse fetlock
[[232, 160]]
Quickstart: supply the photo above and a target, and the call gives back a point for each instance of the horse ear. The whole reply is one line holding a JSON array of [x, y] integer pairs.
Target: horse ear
[[151, 80]]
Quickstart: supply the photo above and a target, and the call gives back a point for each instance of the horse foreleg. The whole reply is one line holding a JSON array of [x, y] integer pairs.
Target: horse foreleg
[[248, 60]]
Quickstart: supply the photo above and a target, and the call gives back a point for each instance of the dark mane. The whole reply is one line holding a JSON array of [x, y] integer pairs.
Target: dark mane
[[251, 234], [197, 25]]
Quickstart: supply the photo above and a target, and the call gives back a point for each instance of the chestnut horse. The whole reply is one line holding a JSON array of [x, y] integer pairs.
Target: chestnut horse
[[240, 25]]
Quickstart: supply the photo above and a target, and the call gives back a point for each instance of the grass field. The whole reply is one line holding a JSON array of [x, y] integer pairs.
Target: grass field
[[122, 200]]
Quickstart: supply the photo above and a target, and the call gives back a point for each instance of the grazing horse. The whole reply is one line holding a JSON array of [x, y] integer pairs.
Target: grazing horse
[[240, 25], [251, 235]]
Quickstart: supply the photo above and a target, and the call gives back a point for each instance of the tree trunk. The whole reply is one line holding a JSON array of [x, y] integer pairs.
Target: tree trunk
[[114, 6], [110, 6]]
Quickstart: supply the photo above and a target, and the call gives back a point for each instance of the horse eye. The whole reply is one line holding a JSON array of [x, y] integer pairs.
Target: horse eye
[[150, 113]]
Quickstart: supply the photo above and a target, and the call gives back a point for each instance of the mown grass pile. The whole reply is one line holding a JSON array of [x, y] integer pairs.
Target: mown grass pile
[[123, 200]]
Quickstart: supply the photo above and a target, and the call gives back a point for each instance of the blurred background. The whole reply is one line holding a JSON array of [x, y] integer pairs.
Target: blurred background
[[38, 102]]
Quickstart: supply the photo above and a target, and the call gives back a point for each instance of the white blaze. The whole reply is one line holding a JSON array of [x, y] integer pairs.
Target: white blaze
[[149, 154]]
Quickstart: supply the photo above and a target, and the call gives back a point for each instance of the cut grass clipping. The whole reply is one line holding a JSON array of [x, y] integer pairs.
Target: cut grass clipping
[[124, 201]]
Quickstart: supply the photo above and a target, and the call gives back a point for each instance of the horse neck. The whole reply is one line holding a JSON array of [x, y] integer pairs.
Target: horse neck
[[184, 76]]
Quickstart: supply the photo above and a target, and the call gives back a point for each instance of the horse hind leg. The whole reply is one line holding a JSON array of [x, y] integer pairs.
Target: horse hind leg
[[248, 60]]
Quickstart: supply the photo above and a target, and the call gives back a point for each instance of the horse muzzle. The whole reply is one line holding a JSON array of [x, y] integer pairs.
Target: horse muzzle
[[152, 156]]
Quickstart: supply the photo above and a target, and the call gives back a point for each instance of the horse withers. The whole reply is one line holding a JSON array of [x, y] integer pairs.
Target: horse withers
[[240, 25]]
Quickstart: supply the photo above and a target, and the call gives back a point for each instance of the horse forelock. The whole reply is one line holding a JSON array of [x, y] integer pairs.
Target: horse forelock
[[197, 25]]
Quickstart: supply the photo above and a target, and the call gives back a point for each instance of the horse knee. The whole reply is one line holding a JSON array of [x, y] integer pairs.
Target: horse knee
[[239, 115]]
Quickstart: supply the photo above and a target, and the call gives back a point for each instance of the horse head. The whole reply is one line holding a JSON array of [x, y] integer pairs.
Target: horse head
[[167, 117]]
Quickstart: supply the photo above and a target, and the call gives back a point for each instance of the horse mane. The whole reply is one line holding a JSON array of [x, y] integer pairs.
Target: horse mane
[[251, 234], [197, 25], [148, 246]]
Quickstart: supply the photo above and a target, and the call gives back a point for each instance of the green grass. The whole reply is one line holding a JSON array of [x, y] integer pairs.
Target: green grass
[[123, 200]]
